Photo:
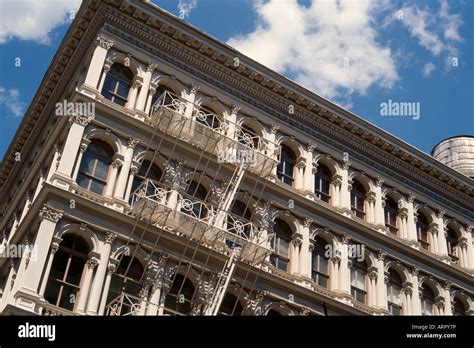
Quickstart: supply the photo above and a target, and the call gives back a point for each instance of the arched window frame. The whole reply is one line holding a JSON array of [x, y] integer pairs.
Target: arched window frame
[[358, 194], [95, 167], [390, 215], [118, 83], [427, 300], [359, 275], [422, 231], [394, 293], [320, 263], [322, 183]]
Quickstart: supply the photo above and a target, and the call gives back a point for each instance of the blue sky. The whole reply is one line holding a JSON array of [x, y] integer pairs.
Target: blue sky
[[358, 54]]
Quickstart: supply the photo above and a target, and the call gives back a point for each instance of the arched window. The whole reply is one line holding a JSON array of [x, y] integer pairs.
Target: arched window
[[66, 272], [394, 298], [179, 298], [422, 231], [320, 264], [166, 99], [452, 242], [391, 212], [230, 306], [149, 171], [358, 280], [280, 244], [458, 307], [357, 199], [125, 286], [427, 300], [236, 225], [95, 165], [285, 169], [322, 183], [194, 207], [117, 84]]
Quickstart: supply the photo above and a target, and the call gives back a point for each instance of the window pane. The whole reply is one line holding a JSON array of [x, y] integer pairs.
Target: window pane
[[97, 187], [283, 265], [87, 164], [102, 169], [283, 248], [122, 89], [323, 265], [75, 270]]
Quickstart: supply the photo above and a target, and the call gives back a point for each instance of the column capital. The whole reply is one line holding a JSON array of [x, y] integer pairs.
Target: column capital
[[346, 165], [440, 213], [132, 142], [336, 180], [103, 42], [92, 262], [274, 128], [310, 147], [381, 255], [307, 221], [150, 67], [110, 237], [447, 285], [117, 163], [345, 239], [50, 214], [80, 119], [194, 88], [379, 181], [410, 198], [235, 109]]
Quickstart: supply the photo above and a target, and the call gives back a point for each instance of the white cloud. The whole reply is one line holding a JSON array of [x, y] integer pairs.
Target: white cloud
[[331, 48], [10, 98], [185, 7], [436, 31], [428, 68], [33, 19]]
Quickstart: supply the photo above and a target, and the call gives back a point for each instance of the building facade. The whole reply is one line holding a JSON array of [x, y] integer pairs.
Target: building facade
[[160, 172]]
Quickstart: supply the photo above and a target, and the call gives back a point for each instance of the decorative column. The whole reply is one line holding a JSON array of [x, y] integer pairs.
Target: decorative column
[[151, 93], [143, 96], [403, 223], [346, 187], [52, 251], [447, 298], [469, 247], [125, 171], [299, 173], [416, 297], [82, 149], [344, 270], [442, 243], [411, 219], [306, 249], [407, 293], [97, 285], [71, 147], [86, 283], [379, 218], [309, 172], [49, 218], [433, 237], [370, 207], [335, 264], [381, 281], [133, 172], [97, 61], [111, 180], [336, 185], [155, 291], [295, 245], [132, 95], [111, 268], [372, 290], [107, 65], [462, 246]]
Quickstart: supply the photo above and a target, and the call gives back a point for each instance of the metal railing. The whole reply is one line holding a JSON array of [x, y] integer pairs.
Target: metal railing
[[124, 305]]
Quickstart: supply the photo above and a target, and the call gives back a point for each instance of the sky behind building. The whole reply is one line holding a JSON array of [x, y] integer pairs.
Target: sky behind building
[[362, 55]]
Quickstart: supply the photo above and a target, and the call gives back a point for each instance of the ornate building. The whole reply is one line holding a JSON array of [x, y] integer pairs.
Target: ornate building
[[186, 179]]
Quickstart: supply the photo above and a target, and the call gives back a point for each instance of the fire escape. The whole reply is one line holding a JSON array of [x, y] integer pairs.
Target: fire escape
[[213, 226]]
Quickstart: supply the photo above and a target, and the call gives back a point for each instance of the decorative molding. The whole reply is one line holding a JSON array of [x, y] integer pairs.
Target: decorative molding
[[50, 214]]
